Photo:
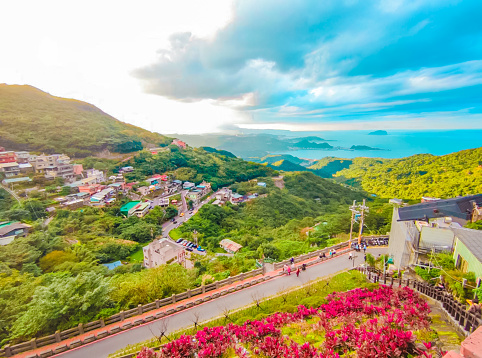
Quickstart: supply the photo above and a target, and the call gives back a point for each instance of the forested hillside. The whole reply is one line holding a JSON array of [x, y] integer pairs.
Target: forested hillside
[[273, 223], [34, 120], [444, 176], [196, 165]]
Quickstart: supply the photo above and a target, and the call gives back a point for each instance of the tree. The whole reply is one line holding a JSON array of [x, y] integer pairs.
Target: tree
[[140, 232], [52, 260], [62, 303]]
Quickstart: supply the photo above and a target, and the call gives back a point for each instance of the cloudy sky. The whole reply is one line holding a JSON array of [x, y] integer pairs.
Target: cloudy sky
[[207, 66]]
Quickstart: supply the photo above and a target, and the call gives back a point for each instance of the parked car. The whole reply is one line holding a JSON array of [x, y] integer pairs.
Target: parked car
[[184, 242], [174, 222], [189, 249], [179, 240], [199, 248], [182, 214]]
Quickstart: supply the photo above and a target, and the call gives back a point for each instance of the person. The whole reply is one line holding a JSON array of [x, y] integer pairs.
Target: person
[[303, 267], [365, 248], [292, 260], [365, 257], [334, 252], [298, 272], [350, 257], [289, 270], [293, 267], [331, 253], [285, 268]]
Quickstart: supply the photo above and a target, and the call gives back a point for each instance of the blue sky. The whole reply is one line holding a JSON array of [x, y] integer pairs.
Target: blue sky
[[341, 64]]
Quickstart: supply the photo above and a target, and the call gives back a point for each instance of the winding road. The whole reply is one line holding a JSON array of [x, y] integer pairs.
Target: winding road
[[214, 308]]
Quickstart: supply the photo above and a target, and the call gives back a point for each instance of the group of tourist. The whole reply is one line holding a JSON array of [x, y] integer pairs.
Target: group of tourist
[[292, 268]]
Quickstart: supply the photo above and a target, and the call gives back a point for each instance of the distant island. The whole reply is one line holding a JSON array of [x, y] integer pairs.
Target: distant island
[[379, 132], [363, 147]]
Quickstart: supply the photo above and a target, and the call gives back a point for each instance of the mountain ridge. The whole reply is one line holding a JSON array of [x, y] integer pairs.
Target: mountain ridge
[[31, 119]]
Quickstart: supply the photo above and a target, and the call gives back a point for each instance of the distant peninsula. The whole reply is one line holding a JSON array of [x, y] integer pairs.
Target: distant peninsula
[[379, 132], [363, 147]]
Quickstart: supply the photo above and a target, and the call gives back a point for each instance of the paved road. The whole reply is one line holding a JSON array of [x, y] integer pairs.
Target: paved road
[[214, 308], [170, 225]]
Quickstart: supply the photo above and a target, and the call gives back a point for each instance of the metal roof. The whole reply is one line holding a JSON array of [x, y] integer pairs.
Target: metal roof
[[472, 239], [460, 207], [6, 228]]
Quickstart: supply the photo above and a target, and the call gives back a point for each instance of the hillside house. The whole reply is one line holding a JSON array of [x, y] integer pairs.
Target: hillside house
[[262, 184], [195, 196], [237, 198], [10, 169], [8, 157], [162, 252], [103, 197], [78, 169], [95, 175], [90, 189], [223, 195], [11, 230], [16, 180], [230, 246], [468, 250], [126, 169], [179, 143], [22, 157], [418, 229], [188, 185], [143, 190], [25, 168], [135, 208]]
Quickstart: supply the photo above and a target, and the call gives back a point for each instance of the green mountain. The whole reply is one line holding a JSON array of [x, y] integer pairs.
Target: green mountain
[[420, 175], [31, 119], [286, 165]]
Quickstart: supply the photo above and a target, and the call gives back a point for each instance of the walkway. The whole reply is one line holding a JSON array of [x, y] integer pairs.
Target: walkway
[[101, 348]]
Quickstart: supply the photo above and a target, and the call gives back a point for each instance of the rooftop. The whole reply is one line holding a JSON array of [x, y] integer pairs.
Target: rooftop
[[16, 180], [472, 239], [113, 265], [230, 245], [129, 206], [5, 228], [460, 207]]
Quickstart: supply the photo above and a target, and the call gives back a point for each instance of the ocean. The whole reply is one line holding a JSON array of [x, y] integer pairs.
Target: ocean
[[397, 144]]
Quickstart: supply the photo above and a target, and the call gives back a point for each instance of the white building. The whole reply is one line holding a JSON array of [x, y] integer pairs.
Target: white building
[[162, 252], [95, 174]]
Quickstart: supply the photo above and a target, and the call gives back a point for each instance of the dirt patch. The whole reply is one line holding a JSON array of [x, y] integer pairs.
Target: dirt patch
[[279, 182]]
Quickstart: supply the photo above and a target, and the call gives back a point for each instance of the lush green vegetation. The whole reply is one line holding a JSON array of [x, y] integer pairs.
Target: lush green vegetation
[[196, 165], [420, 175], [308, 214], [451, 276], [34, 120]]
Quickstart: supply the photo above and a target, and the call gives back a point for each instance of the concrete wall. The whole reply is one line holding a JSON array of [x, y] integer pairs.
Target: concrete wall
[[402, 234]]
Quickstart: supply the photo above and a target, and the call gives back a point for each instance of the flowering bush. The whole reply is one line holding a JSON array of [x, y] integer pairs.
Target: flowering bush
[[362, 323]]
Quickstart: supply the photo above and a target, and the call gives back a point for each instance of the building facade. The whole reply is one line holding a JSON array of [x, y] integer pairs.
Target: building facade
[[163, 252]]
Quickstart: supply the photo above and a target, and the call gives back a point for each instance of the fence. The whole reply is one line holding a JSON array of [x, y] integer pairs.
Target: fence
[[60, 336], [466, 321]]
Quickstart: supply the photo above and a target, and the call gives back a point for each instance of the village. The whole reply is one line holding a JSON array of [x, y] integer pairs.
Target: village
[[94, 188]]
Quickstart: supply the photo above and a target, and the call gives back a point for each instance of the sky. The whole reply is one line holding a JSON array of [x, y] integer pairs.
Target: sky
[[223, 65]]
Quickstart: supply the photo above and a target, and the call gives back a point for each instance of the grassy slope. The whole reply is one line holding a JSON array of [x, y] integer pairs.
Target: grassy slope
[[31, 119]]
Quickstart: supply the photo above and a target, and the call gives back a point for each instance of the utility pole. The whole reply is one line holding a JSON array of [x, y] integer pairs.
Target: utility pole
[[364, 209], [354, 211]]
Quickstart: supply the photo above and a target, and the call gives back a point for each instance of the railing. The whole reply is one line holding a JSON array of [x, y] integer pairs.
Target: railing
[[60, 336], [466, 321]]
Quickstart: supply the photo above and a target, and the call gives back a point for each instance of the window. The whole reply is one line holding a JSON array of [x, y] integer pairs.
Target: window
[[462, 264]]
